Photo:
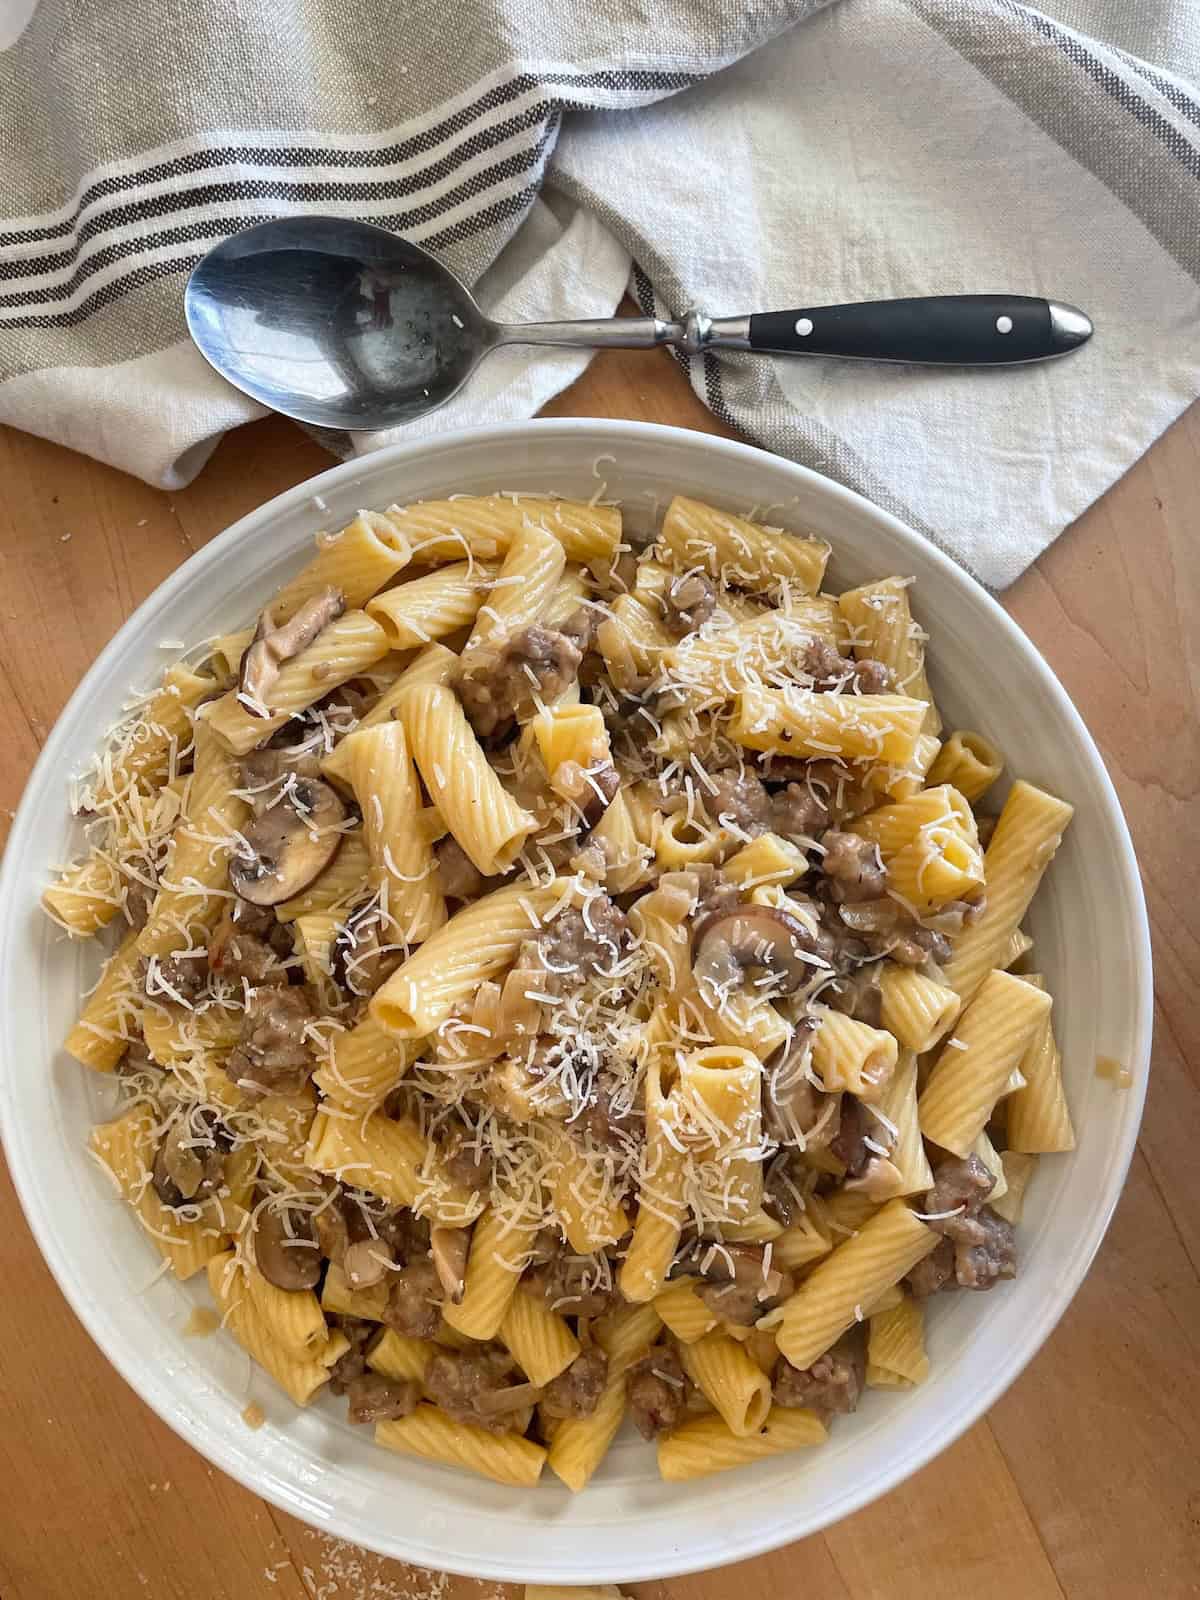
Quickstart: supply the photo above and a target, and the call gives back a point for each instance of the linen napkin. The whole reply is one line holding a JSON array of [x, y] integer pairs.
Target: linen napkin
[[734, 156]]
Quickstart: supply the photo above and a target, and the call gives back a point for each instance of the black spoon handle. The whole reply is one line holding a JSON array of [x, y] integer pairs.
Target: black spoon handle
[[940, 330]]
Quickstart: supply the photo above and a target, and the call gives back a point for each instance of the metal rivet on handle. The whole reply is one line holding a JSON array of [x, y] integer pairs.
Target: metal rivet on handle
[[804, 327], [1003, 324]]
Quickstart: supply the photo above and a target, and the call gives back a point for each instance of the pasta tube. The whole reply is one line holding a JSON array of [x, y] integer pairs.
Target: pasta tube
[[974, 1066], [538, 1339], [483, 817], [429, 607], [1028, 833], [733, 1384], [357, 562], [1038, 1118], [485, 526], [838, 1288], [429, 1433], [385, 785], [499, 1254], [706, 1445], [390, 1157], [799, 722], [111, 1012], [968, 762], [476, 943], [883, 630], [189, 896], [740, 552], [896, 1356]]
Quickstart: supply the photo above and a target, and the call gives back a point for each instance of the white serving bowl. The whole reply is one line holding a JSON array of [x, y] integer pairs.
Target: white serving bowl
[[1088, 921]]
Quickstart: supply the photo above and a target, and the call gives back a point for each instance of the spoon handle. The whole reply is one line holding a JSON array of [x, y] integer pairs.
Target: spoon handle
[[991, 330], [949, 330], [600, 333]]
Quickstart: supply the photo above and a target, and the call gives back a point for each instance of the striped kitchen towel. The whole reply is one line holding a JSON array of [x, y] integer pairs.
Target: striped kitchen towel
[[736, 156]]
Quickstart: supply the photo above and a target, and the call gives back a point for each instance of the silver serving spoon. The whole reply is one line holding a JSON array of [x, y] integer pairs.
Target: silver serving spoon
[[344, 325]]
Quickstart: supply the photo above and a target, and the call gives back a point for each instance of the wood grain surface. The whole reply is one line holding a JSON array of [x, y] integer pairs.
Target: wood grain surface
[[1084, 1481]]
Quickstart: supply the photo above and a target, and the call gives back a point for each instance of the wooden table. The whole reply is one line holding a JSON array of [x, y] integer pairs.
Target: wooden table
[[1083, 1481]]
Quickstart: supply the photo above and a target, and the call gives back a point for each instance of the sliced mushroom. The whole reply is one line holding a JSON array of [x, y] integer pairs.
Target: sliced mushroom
[[189, 1164], [290, 844], [262, 770], [285, 1250], [728, 944], [449, 1247], [367, 1263], [272, 646]]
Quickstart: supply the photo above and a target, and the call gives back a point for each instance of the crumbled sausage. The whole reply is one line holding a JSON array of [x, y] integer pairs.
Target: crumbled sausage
[[915, 946], [351, 1366], [853, 867], [933, 1272], [576, 1286], [798, 812], [247, 944], [273, 1053], [688, 603], [406, 1236], [740, 1286], [714, 891], [873, 677], [829, 669], [185, 974], [739, 798], [608, 1120], [584, 939], [656, 1388], [459, 1380], [990, 1256], [576, 1392], [959, 1185], [415, 1300], [466, 1161], [499, 685], [460, 878], [374, 1398], [832, 1385], [982, 1241]]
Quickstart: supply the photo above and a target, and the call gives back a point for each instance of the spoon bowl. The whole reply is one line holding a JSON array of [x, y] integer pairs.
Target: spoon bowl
[[335, 322]]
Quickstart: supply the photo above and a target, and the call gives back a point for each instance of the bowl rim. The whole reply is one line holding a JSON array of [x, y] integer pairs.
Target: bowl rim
[[217, 1443]]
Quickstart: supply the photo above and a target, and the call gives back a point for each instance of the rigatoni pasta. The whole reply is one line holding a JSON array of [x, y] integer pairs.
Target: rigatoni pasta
[[568, 985]]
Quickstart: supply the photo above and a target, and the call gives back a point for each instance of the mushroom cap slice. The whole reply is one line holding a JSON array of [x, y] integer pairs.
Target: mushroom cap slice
[[274, 644], [285, 1250], [449, 1248], [190, 1161], [366, 1263], [290, 844], [729, 943]]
